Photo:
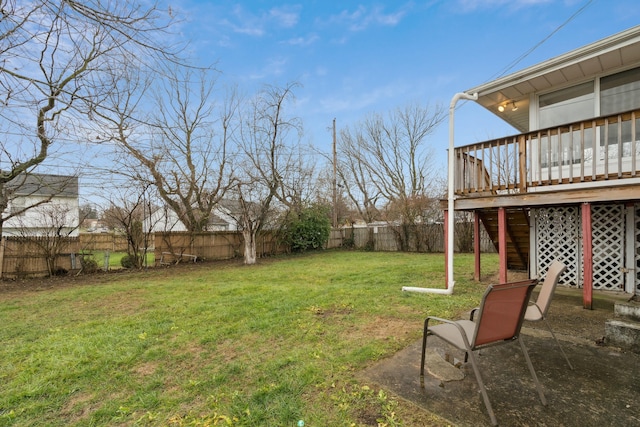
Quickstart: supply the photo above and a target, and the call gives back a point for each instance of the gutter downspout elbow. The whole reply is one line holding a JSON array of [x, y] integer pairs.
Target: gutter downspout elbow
[[447, 291]]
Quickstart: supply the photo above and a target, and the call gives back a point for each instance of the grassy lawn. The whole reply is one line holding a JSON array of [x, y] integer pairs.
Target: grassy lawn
[[222, 343], [114, 259]]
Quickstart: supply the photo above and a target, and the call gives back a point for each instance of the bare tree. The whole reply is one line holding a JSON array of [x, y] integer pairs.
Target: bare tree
[[58, 60], [181, 146], [345, 210], [354, 175], [390, 165], [88, 211], [299, 185], [127, 215], [268, 159]]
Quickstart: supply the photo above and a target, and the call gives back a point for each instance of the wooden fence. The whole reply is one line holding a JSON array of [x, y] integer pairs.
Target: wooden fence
[[22, 257], [216, 245], [25, 257], [180, 247], [422, 238], [112, 242]]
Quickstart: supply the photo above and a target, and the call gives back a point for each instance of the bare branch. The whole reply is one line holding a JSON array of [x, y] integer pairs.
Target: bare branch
[[58, 61]]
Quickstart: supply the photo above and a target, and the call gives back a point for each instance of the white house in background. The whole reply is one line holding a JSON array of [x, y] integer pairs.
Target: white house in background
[[42, 205], [164, 219]]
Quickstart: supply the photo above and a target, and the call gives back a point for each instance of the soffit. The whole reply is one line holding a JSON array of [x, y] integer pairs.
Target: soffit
[[606, 56]]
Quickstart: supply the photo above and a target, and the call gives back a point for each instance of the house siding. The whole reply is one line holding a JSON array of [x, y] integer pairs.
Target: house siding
[[52, 202]]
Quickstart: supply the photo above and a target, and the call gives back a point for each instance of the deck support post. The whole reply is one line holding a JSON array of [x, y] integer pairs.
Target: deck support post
[[476, 245], [587, 247], [502, 243]]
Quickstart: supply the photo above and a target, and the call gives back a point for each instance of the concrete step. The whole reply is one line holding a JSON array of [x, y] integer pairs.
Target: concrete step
[[628, 310], [623, 333]]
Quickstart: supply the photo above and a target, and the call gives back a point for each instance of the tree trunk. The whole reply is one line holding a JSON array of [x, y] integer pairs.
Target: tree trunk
[[249, 247]]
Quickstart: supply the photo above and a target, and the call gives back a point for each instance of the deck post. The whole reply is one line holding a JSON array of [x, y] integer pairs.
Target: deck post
[[587, 247], [476, 244], [522, 164], [502, 243]]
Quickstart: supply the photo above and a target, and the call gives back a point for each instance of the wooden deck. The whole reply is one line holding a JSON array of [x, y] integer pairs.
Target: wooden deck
[[595, 160]]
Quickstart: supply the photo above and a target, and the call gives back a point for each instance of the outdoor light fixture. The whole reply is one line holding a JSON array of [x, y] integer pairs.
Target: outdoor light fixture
[[503, 107]]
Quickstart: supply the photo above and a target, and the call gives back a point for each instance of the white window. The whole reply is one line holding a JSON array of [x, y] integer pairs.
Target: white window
[[567, 105], [620, 92]]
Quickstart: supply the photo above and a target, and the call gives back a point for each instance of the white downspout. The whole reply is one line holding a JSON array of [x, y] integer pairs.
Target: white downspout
[[450, 204]]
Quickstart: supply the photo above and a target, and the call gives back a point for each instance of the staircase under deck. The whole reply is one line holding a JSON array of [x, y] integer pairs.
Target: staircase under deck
[[517, 235]]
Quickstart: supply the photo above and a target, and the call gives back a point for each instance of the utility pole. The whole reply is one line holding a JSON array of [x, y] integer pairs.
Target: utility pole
[[335, 182]]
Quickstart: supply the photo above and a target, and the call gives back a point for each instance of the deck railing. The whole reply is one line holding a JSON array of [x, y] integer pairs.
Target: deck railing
[[599, 149]]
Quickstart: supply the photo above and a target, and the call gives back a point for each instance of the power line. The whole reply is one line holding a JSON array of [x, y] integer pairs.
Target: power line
[[537, 45]]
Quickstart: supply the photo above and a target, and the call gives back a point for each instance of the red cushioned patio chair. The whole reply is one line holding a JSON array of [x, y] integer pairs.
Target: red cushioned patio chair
[[498, 321]]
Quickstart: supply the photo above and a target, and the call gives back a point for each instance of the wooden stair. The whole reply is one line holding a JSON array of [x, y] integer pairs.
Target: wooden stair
[[517, 235]]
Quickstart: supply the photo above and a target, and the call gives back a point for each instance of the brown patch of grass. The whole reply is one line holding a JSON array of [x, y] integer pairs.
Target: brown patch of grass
[[79, 407], [146, 369], [383, 328], [413, 415], [229, 350], [124, 303]]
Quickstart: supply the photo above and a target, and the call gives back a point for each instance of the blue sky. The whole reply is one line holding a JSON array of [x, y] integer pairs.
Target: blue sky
[[354, 58]]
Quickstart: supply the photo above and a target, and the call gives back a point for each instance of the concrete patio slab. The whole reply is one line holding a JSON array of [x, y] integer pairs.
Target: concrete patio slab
[[603, 390]]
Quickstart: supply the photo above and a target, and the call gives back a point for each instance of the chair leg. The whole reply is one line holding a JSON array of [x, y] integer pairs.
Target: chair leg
[[557, 342], [483, 390], [424, 349], [533, 372]]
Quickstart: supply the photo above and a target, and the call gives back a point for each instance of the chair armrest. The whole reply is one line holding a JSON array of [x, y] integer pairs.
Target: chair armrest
[[460, 329], [440, 319], [473, 313], [539, 311]]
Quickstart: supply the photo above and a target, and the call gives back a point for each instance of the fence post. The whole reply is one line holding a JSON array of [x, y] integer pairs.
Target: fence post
[[2, 246]]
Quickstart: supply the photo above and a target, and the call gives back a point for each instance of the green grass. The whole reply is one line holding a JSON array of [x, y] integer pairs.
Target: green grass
[[115, 258], [223, 343]]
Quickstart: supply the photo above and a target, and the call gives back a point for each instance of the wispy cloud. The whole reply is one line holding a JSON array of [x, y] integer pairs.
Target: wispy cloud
[[249, 23], [286, 17], [302, 41], [473, 5], [362, 101], [364, 17], [273, 67]]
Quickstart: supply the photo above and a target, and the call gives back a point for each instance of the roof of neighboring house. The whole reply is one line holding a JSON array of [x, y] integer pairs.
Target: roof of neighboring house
[[34, 184], [605, 56], [216, 220]]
